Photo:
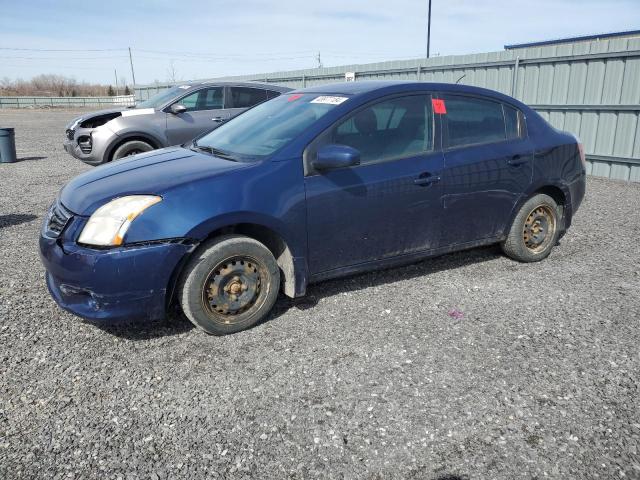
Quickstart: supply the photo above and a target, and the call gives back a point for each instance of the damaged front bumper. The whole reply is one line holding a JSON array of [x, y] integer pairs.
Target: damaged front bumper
[[89, 144], [108, 285]]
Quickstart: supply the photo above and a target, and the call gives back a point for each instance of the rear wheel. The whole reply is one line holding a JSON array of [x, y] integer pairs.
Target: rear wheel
[[230, 285], [534, 231], [130, 148]]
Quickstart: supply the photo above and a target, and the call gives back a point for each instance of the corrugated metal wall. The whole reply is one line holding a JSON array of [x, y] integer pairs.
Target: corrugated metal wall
[[591, 89]]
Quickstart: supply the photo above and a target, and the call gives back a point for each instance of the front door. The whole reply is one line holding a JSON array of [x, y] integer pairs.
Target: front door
[[488, 167], [387, 206], [205, 112]]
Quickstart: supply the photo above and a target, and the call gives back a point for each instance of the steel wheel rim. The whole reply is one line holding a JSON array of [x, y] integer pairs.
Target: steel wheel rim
[[232, 288], [539, 228]]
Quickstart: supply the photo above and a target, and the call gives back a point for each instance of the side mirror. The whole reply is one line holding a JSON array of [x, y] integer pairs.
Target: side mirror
[[336, 156], [177, 108]]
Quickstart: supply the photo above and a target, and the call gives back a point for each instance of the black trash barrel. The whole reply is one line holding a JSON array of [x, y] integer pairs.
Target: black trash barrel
[[7, 145]]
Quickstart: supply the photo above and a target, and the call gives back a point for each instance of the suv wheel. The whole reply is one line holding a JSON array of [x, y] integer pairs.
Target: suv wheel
[[535, 230], [229, 285], [130, 148]]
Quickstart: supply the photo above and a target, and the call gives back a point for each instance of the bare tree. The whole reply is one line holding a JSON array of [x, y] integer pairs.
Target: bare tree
[[171, 73], [50, 85]]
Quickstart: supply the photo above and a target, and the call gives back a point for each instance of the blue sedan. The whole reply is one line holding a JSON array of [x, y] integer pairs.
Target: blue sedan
[[315, 184]]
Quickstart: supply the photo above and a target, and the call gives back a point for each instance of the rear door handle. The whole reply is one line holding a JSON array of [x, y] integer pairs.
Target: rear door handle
[[218, 119], [517, 160], [426, 179]]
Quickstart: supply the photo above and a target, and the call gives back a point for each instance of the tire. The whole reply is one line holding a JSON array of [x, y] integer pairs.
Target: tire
[[535, 230], [130, 148], [230, 284]]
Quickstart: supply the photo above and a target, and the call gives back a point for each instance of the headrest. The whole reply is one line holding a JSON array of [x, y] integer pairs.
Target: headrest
[[366, 121]]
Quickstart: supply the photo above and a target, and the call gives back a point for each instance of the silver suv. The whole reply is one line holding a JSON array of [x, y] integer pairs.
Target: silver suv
[[171, 117]]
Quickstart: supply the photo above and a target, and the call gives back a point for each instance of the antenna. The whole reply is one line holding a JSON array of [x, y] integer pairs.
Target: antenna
[[458, 80]]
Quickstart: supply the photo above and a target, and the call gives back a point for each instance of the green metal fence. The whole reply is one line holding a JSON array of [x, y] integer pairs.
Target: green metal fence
[[66, 102], [591, 89]]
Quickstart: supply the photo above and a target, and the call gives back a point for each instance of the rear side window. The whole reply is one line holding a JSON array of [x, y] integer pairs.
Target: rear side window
[[272, 94], [473, 121], [515, 122], [245, 97]]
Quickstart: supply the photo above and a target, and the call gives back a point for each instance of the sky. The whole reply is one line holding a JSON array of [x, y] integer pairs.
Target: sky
[[193, 39]]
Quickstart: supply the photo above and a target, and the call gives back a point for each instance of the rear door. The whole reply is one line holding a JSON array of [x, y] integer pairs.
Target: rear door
[[387, 206], [488, 165], [205, 112]]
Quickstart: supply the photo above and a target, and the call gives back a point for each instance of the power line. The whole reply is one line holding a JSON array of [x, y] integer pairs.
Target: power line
[[62, 50], [64, 58]]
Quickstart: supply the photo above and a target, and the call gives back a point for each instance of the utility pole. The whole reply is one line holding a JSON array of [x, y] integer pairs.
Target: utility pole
[[115, 74], [429, 29], [319, 60], [133, 75]]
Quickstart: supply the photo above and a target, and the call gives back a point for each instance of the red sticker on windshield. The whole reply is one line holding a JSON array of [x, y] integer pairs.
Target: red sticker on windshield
[[438, 106], [294, 97]]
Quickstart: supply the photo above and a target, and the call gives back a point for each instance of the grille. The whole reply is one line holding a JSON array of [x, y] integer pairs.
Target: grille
[[70, 133], [57, 219]]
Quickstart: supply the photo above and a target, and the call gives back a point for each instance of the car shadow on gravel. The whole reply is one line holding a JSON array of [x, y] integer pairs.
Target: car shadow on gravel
[[15, 219], [177, 323], [422, 268], [142, 330]]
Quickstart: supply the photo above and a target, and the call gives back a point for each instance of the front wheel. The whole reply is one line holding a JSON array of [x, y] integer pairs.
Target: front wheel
[[230, 285], [534, 231], [128, 149]]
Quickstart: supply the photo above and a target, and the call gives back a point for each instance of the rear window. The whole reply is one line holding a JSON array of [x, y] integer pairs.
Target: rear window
[[472, 121]]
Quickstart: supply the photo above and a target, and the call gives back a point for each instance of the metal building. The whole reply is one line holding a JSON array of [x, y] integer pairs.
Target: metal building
[[587, 85]]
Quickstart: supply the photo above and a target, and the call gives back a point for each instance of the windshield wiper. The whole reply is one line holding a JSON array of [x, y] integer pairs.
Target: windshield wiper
[[214, 151]]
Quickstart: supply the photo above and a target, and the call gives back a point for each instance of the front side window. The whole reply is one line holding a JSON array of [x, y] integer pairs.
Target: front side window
[[472, 121], [244, 97], [206, 99], [395, 128]]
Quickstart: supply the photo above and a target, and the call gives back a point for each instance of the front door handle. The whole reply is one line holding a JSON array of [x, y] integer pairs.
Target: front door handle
[[218, 119], [426, 179], [517, 160]]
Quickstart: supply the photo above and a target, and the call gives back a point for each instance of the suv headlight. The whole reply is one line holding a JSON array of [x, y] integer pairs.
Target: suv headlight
[[108, 225]]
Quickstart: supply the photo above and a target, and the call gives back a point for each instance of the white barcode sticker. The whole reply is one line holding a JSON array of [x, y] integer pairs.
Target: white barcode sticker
[[329, 100]]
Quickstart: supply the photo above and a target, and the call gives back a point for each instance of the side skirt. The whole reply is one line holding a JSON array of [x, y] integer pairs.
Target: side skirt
[[399, 260]]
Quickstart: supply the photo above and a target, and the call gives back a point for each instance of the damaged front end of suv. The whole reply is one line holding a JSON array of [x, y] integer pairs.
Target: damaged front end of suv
[[87, 137], [99, 137]]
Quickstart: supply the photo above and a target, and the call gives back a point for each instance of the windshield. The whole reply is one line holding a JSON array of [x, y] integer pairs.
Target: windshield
[[161, 98], [262, 130]]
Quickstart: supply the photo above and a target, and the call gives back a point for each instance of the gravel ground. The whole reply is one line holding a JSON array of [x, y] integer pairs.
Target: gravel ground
[[538, 379]]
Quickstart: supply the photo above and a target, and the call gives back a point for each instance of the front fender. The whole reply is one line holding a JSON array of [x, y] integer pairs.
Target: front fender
[[270, 195]]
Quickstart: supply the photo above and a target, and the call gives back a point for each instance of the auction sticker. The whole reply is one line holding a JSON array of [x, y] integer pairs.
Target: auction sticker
[[329, 100]]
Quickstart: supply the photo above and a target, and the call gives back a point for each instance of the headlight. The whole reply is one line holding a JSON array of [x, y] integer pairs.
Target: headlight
[[108, 225]]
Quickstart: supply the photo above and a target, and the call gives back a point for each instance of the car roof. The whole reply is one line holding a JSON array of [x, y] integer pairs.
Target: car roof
[[386, 87], [266, 86]]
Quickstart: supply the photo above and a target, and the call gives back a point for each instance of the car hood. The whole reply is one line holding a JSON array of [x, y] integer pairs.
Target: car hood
[[153, 172], [108, 114], [91, 115]]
